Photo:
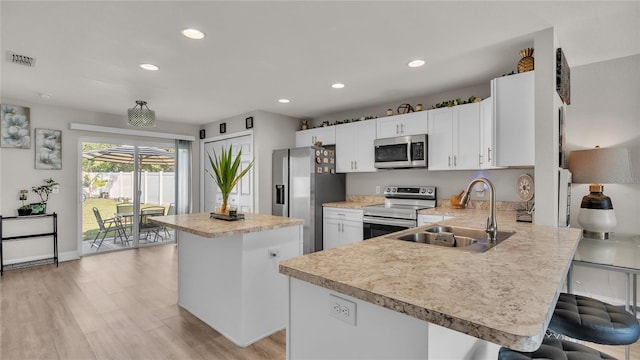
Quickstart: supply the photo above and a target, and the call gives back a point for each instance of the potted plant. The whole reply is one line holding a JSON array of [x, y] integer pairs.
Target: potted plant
[[24, 210], [226, 173], [43, 192]]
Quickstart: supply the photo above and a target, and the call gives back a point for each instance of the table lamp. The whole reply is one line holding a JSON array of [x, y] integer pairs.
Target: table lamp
[[597, 166]]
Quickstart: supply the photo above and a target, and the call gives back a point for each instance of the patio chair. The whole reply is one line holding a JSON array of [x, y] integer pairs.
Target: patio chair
[[148, 227], [106, 226], [171, 210]]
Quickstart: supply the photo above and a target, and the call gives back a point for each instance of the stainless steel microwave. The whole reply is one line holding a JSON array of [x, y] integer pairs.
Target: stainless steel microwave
[[401, 152]]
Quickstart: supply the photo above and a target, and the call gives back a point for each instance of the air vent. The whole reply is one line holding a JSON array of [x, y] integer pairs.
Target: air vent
[[21, 59]]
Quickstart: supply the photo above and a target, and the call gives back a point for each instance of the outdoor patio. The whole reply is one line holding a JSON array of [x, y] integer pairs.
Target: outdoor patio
[[109, 245]]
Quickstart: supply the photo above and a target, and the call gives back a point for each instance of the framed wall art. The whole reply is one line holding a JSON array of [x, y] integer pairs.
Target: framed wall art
[[563, 77], [15, 127], [48, 153]]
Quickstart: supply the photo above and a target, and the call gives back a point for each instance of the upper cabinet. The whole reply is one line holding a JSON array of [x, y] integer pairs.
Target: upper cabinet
[[326, 135], [402, 125], [514, 119], [487, 135], [454, 137], [354, 146]]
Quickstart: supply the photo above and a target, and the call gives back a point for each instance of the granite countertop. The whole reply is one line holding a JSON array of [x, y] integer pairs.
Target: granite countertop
[[200, 224], [505, 295], [356, 202]]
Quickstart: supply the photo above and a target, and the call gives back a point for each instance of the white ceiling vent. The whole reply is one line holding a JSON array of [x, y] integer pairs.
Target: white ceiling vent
[[21, 59]]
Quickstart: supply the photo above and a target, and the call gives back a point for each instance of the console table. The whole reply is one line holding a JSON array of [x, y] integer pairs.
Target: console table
[[621, 253], [53, 234]]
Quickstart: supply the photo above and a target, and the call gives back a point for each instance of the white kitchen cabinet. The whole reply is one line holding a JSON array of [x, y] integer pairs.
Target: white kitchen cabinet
[[341, 226], [488, 135], [414, 123], [326, 135], [425, 219], [354, 146], [454, 137], [514, 119]]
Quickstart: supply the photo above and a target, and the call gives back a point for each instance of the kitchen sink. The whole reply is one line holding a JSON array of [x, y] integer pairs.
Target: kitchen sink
[[471, 239]]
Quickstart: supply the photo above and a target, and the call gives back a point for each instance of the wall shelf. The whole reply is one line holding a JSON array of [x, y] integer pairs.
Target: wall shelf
[[53, 234]]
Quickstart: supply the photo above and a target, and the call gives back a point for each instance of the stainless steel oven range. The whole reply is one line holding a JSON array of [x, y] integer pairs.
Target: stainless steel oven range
[[399, 211]]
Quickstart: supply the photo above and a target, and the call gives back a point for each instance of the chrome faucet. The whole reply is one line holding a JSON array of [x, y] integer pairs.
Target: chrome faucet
[[492, 225]]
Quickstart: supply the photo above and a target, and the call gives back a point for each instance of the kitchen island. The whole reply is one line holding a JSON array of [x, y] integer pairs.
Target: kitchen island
[[228, 271], [398, 299]]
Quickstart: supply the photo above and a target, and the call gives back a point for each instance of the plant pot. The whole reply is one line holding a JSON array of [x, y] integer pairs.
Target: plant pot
[[38, 208], [24, 212]]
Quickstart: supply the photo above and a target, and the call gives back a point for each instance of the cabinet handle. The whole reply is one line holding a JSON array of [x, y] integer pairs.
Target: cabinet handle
[[401, 128], [479, 159], [489, 154], [449, 160], [355, 163], [455, 161], [397, 128]]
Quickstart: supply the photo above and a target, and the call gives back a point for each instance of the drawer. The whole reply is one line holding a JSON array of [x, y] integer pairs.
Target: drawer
[[342, 214]]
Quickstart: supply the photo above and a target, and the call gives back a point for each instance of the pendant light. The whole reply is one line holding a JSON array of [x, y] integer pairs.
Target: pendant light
[[141, 117]]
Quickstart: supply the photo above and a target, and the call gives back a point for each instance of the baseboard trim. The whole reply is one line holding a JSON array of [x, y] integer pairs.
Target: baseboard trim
[[65, 256]]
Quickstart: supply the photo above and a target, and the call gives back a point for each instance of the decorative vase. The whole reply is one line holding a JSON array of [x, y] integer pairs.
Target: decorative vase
[[526, 63]]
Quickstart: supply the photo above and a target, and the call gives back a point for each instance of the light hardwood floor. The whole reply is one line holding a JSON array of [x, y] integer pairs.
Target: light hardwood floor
[[120, 305]]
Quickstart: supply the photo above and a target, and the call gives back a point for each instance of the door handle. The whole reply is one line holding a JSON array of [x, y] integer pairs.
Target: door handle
[[280, 194]]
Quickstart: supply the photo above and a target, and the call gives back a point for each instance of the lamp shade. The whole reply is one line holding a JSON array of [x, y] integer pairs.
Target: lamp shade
[[603, 166]]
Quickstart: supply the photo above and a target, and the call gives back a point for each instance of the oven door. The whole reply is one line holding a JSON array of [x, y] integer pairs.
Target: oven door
[[377, 226]]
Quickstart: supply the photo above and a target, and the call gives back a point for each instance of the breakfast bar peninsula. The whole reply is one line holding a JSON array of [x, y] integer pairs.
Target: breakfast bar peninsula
[[228, 271], [386, 298]]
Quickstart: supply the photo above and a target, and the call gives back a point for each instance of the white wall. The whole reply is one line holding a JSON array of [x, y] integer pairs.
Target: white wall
[[17, 172], [270, 131], [605, 111]]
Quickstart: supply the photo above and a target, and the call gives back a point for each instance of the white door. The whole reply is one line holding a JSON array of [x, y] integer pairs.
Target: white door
[[241, 196]]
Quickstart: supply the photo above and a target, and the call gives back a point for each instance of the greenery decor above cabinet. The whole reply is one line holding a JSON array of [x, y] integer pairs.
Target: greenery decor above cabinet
[[454, 137], [414, 123], [514, 119], [326, 135], [354, 147]]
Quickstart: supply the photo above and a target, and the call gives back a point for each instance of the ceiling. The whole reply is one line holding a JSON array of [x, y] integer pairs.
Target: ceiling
[[254, 53]]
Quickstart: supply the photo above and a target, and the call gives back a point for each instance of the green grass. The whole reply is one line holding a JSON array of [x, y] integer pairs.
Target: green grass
[[107, 209]]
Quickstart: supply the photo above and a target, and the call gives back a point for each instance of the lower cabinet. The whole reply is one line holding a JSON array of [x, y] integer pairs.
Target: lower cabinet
[[341, 227]]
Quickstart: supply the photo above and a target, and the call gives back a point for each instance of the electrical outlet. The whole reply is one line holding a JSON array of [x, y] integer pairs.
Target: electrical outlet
[[342, 309], [377, 189], [274, 253]]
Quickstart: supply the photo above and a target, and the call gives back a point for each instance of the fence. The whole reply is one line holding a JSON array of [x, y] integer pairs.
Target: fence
[[155, 187]]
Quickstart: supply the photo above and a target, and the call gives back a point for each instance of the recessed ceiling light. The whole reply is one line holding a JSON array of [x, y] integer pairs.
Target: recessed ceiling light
[[416, 63], [337, 86], [149, 67], [284, 101], [194, 34]]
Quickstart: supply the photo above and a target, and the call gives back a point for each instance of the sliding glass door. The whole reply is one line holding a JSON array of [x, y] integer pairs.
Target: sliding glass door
[[124, 185]]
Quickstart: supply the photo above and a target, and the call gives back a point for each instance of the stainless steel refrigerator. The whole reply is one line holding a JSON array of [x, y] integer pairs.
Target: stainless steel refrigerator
[[303, 179]]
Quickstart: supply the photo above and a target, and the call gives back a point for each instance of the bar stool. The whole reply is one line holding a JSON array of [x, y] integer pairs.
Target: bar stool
[[555, 349], [591, 320], [587, 319]]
